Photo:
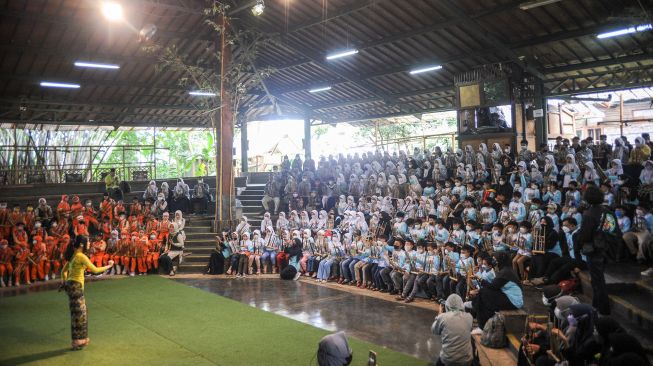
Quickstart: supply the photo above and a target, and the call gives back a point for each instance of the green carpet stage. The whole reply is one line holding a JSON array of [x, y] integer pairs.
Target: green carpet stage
[[156, 321]]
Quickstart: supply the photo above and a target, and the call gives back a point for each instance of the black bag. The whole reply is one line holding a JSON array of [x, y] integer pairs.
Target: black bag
[[125, 187], [606, 236]]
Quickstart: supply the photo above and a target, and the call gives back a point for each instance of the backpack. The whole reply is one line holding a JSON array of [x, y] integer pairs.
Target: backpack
[[494, 332], [606, 237], [125, 187]]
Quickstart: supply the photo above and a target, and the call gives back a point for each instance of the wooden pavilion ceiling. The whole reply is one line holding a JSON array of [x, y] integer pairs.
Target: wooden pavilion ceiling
[[40, 40]]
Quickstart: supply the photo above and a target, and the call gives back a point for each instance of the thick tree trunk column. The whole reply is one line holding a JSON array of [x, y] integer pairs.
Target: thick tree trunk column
[[225, 190], [244, 146], [307, 138]]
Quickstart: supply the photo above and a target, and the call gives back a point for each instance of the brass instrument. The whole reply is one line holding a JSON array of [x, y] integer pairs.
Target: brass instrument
[[539, 241]]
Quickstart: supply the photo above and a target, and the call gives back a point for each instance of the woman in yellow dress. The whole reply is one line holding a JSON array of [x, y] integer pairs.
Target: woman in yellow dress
[[72, 277]]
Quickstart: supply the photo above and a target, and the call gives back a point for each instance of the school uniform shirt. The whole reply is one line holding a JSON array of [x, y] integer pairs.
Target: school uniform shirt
[[555, 197], [488, 215], [463, 264], [454, 256], [498, 243], [517, 211], [409, 259], [624, 224], [572, 197], [460, 190], [469, 214], [433, 264], [574, 251], [576, 215], [525, 241], [458, 237], [556, 221], [487, 275], [442, 235], [420, 261]]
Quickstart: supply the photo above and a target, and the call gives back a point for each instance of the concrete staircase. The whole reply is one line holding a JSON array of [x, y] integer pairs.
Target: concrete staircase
[[200, 241], [251, 198]]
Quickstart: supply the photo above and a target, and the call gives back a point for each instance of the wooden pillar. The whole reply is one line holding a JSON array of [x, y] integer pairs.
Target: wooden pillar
[[307, 138], [225, 194], [541, 123], [244, 146]]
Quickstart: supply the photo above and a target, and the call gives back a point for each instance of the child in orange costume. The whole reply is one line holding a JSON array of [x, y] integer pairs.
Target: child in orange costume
[[164, 227], [39, 231], [106, 208], [5, 227], [80, 227], [119, 209], [99, 257], [122, 252], [113, 244], [142, 249], [133, 224], [123, 224], [6, 257], [58, 229], [20, 236], [29, 218], [136, 210], [63, 208], [54, 257], [22, 265], [63, 246], [151, 224], [76, 208], [90, 216], [40, 258], [15, 217], [105, 228], [131, 254], [153, 252]]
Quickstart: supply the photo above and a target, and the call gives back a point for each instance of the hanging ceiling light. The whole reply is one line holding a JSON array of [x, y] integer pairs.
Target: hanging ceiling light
[[623, 31], [425, 69], [536, 4], [203, 93], [320, 89], [258, 8], [340, 54], [112, 11], [51, 84], [96, 65]]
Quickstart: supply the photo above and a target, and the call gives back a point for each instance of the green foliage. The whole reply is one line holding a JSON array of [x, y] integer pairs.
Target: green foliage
[[405, 133]]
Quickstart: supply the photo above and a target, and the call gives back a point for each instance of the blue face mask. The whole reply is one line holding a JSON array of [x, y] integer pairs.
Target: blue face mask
[[619, 214]]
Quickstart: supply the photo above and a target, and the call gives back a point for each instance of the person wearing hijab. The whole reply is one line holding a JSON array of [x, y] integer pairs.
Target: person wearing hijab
[[552, 249], [180, 197], [453, 325], [579, 335], [503, 293], [151, 191], [570, 171], [641, 153]]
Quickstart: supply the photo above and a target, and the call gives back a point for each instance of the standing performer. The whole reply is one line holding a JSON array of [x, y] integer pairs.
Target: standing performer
[[72, 277]]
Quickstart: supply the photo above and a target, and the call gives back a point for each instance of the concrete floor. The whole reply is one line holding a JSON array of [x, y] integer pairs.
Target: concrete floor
[[394, 325]]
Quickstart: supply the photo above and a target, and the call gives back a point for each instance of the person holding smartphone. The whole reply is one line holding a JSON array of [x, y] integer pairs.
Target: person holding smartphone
[[454, 327]]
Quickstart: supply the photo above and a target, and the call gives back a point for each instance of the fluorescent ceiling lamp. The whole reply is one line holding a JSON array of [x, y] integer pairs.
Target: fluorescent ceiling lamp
[[621, 32], [95, 65], [50, 84], [340, 54], [317, 90], [203, 93], [536, 3], [425, 69], [112, 11]]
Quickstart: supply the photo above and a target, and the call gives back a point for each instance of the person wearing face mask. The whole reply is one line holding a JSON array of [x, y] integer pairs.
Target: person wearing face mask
[[552, 251], [504, 187], [517, 208], [503, 293], [646, 179], [524, 246], [552, 194], [463, 265], [453, 326], [639, 240]]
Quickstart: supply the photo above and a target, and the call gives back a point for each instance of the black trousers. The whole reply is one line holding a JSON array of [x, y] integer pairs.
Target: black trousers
[[216, 264], [487, 302], [540, 262], [600, 299]]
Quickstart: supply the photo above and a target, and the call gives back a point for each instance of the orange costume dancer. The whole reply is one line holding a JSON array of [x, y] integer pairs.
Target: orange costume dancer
[[76, 208], [29, 218], [105, 228], [5, 227], [153, 252], [136, 210], [20, 236], [40, 258], [122, 252], [119, 209], [80, 227], [90, 216], [123, 224], [152, 224], [131, 254], [54, 257], [63, 246], [106, 208], [164, 227], [39, 231], [6, 257], [58, 229], [133, 224], [142, 249], [99, 257], [15, 217], [22, 265], [113, 243], [63, 208]]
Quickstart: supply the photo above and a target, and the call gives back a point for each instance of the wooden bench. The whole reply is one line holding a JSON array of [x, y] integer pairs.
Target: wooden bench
[[514, 321], [493, 356]]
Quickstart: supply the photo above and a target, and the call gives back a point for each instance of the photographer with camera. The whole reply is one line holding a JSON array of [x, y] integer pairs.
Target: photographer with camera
[[454, 327]]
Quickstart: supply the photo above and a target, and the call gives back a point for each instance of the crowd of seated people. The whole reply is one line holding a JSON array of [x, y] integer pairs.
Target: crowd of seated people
[[137, 236], [478, 223]]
